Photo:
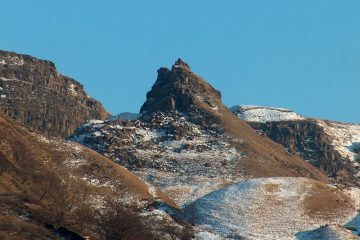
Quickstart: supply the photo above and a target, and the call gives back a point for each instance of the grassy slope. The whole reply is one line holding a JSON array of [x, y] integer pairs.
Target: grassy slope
[[59, 183], [264, 157]]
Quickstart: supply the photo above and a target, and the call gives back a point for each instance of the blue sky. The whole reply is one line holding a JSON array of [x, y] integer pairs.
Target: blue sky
[[303, 55]]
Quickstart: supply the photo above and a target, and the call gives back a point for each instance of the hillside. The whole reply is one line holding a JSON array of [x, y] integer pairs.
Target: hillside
[[187, 143], [271, 208], [184, 167], [51, 188]]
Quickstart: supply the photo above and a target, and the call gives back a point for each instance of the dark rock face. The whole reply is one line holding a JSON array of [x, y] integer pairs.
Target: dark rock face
[[33, 92], [179, 89], [309, 140]]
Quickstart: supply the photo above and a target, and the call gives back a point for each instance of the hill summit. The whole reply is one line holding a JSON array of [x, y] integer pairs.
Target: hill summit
[[186, 141], [179, 89]]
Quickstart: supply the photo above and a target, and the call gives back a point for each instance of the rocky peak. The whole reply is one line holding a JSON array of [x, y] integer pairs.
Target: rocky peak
[[180, 63], [35, 93], [179, 89]]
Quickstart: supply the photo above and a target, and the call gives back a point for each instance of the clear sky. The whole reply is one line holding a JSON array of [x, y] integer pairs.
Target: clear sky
[[298, 54]]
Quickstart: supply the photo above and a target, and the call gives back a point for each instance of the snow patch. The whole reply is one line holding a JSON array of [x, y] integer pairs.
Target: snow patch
[[72, 88], [9, 79], [264, 114], [97, 183], [75, 162], [151, 190]]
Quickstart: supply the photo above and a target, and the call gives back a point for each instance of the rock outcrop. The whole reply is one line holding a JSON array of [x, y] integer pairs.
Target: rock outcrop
[[329, 146], [179, 89], [33, 92]]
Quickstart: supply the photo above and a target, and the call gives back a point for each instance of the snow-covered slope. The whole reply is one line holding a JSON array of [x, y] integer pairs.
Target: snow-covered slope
[[264, 114], [186, 167], [345, 137], [270, 208], [331, 232]]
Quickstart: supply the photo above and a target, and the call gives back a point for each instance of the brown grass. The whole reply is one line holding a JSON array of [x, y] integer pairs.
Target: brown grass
[[34, 174], [264, 157], [327, 202]]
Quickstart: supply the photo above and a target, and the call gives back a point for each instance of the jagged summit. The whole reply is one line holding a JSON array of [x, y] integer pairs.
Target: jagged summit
[[179, 89], [180, 63]]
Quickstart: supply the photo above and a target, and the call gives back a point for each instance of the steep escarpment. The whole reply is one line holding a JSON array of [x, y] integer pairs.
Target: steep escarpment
[[329, 146], [187, 142], [35, 93]]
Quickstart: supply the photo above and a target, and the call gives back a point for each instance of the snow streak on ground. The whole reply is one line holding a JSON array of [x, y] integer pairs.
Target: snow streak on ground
[[267, 208], [264, 114], [77, 159]]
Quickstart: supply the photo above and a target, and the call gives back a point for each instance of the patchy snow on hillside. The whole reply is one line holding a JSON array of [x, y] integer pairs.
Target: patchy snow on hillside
[[266, 208], [12, 61], [183, 189], [264, 114], [188, 166], [346, 138]]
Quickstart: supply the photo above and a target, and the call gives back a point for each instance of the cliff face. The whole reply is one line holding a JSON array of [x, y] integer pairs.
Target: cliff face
[[329, 146], [309, 140], [34, 93]]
